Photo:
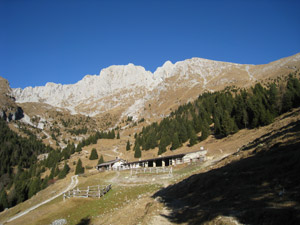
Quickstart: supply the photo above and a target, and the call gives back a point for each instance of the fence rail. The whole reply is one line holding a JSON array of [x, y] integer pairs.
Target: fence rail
[[96, 191], [157, 170]]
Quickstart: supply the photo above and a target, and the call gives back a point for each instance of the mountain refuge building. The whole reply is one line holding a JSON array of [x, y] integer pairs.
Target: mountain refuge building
[[162, 161]]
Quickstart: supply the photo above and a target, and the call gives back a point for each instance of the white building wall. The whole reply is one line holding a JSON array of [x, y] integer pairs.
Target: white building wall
[[192, 156]]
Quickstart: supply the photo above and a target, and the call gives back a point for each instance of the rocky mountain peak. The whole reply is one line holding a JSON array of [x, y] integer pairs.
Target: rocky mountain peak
[[128, 89]]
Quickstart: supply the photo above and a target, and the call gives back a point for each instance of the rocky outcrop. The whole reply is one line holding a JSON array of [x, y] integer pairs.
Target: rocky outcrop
[[9, 110]]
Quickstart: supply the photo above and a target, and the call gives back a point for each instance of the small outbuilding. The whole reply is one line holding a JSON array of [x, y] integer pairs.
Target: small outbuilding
[[116, 164]]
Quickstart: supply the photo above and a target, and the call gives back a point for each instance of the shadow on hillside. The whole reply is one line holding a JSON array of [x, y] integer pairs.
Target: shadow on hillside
[[262, 189], [84, 221], [290, 130]]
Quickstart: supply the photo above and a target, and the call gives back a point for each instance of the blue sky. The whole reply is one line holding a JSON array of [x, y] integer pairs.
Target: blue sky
[[62, 40]]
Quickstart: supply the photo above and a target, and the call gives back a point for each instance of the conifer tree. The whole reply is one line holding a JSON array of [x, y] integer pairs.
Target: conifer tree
[[3, 200], [163, 144], [118, 135], [101, 160], [79, 148], [52, 172], [239, 112], [34, 187], [94, 154], [183, 134], [21, 189], [175, 142], [79, 168], [161, 149], [113, 135], [165, 138], [217, 122], [193, 138], [228, 125], [287, 101], [56, 172], [128, 146], [295, 83], [137, 151], [45, 182], [273, 99], [205, 131], [197, 124], [63, 173]]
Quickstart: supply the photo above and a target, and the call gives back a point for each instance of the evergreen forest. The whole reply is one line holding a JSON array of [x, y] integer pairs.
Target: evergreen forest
[[220, 113], [20, 170]]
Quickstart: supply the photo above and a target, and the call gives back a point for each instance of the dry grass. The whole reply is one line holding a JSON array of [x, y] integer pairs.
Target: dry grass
[[133, 193], [76, 209], [257, 185]]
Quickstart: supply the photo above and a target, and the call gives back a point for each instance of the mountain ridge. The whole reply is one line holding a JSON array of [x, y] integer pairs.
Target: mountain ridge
[[119, 87]]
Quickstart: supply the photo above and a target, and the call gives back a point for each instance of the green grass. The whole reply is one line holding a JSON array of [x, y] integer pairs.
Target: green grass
[[78, 208]]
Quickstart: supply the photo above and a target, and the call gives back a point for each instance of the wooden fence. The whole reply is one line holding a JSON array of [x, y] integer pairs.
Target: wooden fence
[[96, 191], [152, 170]]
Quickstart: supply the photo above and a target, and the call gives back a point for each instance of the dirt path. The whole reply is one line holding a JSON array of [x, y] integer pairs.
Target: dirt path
[[116, 150], [73, 184], [115, 178]]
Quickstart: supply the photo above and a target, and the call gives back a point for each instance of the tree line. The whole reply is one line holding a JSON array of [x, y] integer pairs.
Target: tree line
[[220, 113]]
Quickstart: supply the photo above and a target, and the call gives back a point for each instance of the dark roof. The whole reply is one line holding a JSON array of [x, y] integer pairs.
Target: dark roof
[[110, 162], [164, 157]]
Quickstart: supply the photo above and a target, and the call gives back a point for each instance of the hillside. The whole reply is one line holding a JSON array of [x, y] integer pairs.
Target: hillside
[[253, 180], [257, 185]]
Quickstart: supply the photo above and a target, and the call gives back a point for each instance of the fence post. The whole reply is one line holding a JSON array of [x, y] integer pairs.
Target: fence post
[[171, 171]]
